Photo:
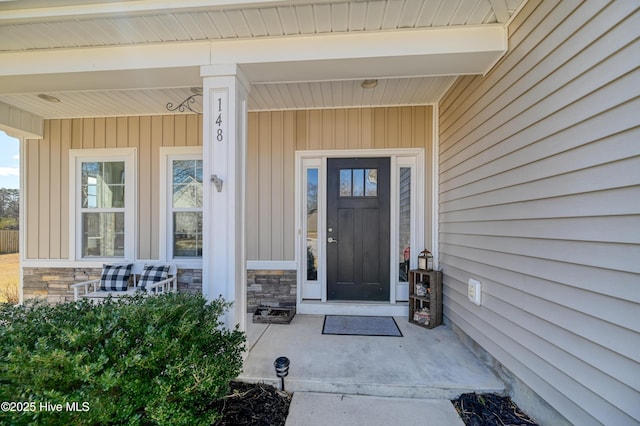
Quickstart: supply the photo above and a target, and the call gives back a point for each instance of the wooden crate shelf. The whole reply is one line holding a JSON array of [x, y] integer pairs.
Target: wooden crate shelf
[[425, 298]]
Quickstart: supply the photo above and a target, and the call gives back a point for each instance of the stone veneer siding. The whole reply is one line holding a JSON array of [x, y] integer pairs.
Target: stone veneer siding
[[53, 283], [190, 280], [263, 287], [274, 288]]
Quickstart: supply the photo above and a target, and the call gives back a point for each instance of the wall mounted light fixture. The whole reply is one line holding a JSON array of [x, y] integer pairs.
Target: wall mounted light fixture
[[217, 182]]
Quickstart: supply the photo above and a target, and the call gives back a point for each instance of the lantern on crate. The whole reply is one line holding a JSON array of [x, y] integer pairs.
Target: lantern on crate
[[425, 260]]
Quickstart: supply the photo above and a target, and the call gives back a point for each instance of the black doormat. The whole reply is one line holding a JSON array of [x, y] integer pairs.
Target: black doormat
[[351, 325]]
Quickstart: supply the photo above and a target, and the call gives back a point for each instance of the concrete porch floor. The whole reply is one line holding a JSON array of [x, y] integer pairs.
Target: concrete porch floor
[[425, 364]]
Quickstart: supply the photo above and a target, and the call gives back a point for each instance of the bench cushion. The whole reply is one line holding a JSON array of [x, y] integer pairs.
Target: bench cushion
[[99, 295], [152, 274], [115, 277]]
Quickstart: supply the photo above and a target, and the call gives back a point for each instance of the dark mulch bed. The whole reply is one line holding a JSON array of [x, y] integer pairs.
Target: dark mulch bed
[[489, 410], [263, 405], [254, 405]]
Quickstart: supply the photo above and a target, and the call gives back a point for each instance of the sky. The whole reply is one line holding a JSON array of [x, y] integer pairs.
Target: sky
[[9, 162]]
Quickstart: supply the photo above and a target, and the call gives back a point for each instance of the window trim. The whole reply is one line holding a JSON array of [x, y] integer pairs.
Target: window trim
[[167, 155], [76, 158]]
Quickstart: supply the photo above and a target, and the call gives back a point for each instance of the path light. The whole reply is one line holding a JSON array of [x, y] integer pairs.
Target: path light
[[282, 368]]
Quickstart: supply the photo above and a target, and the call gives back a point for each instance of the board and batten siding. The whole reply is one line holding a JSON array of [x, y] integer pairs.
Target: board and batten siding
[[539, 200], [47, 171], [275, 136]]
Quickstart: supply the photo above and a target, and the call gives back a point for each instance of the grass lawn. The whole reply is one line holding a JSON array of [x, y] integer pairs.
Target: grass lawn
[[9, 275]]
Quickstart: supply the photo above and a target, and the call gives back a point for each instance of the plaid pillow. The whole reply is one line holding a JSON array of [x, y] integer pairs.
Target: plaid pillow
[[115, 277], [152, 274]]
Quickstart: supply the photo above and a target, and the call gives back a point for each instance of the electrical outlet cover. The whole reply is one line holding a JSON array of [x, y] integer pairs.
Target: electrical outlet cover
[[473, 291]]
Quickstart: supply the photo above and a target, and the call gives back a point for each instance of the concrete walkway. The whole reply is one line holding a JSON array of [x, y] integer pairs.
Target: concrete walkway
[[362, 380], [322, 409]]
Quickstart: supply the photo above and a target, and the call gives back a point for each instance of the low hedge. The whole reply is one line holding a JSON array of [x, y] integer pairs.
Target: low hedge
[[134, 360]]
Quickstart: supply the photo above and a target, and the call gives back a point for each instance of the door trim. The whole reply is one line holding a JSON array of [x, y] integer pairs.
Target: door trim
[[312, 296]]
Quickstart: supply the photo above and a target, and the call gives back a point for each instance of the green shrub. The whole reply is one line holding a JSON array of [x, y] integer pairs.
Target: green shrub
[[135, 360]]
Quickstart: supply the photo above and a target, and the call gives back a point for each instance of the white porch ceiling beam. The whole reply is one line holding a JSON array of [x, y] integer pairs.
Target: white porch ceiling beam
[[404, 53], [423, 52], [166, 55], [158, 78], [19, 123], [411, 42]]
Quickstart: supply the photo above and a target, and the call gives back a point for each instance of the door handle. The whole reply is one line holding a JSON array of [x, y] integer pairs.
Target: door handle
[[331, 240]]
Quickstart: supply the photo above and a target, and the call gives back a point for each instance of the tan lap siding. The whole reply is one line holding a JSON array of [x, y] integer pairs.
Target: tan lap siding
[[47, 164], [273, 138], [540, 201]]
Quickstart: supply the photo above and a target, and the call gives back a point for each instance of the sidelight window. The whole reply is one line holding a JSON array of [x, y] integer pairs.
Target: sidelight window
[[404, 223], [312, 224], [186, 207]]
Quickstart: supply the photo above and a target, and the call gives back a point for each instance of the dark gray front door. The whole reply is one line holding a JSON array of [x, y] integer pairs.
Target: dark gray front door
[[358, 229]]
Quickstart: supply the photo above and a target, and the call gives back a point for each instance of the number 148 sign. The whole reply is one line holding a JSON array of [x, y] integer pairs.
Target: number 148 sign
[[220, 108]]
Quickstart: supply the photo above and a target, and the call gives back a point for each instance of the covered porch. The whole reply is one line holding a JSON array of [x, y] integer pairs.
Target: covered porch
[[425, 364], [328, 88]]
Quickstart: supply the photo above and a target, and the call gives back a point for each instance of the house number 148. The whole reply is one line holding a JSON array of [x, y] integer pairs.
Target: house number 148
[[220, 109]]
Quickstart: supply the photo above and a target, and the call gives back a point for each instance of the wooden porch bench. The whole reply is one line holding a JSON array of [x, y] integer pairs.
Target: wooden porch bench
[[92, 289]]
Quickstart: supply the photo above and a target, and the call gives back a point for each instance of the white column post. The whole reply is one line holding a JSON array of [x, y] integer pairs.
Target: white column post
[[224, 157]]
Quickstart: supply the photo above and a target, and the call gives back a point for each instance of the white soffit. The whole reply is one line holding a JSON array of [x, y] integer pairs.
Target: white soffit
[[105, 58], [22, 10]]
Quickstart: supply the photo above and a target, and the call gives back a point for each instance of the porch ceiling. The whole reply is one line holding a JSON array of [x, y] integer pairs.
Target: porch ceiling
[[106, 58]]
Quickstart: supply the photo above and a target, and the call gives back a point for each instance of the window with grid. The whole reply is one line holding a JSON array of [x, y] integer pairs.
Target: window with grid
[[102, 191]]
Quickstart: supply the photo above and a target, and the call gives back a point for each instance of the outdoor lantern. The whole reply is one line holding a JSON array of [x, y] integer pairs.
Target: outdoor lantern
[[425, 260], [281, 365]]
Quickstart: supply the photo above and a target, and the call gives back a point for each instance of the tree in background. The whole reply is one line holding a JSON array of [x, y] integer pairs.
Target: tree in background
[[9, 209]]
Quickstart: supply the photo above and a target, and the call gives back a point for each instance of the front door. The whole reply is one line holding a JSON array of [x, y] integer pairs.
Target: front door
[[358, 194]]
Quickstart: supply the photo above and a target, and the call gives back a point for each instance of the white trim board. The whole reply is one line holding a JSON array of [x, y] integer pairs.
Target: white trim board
[[138, 264], [365, 309], [271, 265]]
